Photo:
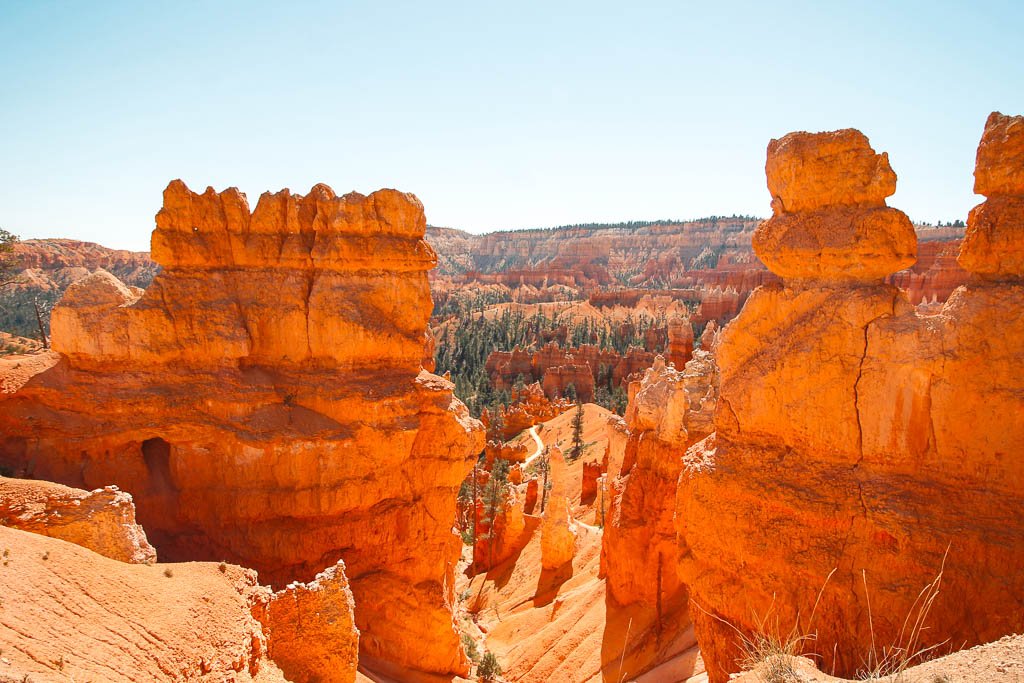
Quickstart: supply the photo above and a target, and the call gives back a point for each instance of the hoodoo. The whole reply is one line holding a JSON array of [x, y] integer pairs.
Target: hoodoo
[[263, 402], [864, 451]]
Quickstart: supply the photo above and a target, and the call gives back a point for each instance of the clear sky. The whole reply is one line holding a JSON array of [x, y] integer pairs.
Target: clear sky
[[497, 115]]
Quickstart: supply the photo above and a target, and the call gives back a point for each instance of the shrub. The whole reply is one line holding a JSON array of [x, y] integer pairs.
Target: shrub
[[489, 668], [469, 645]]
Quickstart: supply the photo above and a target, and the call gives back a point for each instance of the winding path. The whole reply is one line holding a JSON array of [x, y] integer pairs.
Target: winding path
[[540, 446]]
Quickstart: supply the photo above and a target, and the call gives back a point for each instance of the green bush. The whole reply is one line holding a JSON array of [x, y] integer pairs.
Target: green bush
[[489, 667], [469, 645]]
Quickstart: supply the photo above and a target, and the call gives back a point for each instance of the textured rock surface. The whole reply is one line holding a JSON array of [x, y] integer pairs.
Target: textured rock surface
[[811, 171], [263, 403], [311, 629], [680, 341], [71, 614], [858, 436], [102, 520], [999, 169], [558, 531], [498, 541], [639, 553], [830, 220], [993, 246]]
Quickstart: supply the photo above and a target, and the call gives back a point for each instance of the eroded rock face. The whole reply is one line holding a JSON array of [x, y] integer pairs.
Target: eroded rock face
[[999, 169], [680, 341], [993, 247], [311, 629], [859, 438], [830, 220], [102, 520], [529, 406], [811, 171], [263, 402], [640, 554], [558, 531], [556, 369], [133, 622]]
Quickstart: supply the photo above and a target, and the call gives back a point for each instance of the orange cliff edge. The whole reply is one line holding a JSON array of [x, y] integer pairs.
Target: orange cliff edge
[[263, 402], [863, 447]]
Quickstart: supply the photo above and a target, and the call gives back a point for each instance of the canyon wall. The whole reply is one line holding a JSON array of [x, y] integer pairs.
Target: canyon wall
[[864, 447], [263, 401], [600, 254]]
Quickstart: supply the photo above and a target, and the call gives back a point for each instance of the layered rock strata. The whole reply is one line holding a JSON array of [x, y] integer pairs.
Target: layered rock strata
[[263, 401], [862, 449]]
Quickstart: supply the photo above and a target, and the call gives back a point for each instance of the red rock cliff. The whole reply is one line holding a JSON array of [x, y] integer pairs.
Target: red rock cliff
[[263, 402], [855, 435]]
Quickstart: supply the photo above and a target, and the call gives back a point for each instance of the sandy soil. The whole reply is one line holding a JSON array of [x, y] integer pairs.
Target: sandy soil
[[69, 614]]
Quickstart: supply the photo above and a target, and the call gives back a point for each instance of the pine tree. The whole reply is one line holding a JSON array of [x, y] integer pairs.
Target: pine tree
[[544, 467], [8, 262], [577, 433], [494, 497]]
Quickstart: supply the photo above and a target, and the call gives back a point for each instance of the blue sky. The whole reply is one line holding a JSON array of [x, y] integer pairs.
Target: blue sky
[[495, 115]]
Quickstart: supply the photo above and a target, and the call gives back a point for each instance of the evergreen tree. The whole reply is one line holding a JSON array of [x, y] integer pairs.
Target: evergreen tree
[[8, 262], [494, 496], [544, 468], [577, 434]]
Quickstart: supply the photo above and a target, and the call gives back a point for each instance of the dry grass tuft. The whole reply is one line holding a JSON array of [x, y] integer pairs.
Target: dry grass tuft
[[772, 650], [894, 659]]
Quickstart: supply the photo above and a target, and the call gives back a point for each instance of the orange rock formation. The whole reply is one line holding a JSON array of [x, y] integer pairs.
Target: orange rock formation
[[557, 529], [263, 402], [311, 629], [529, 406], [992, 247], [102, 520], [855, 435], [640, 555], [557, 368]]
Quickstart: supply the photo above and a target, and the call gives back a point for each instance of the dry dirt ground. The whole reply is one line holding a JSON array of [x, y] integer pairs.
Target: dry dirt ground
[[69, 614], [1001, 661]]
